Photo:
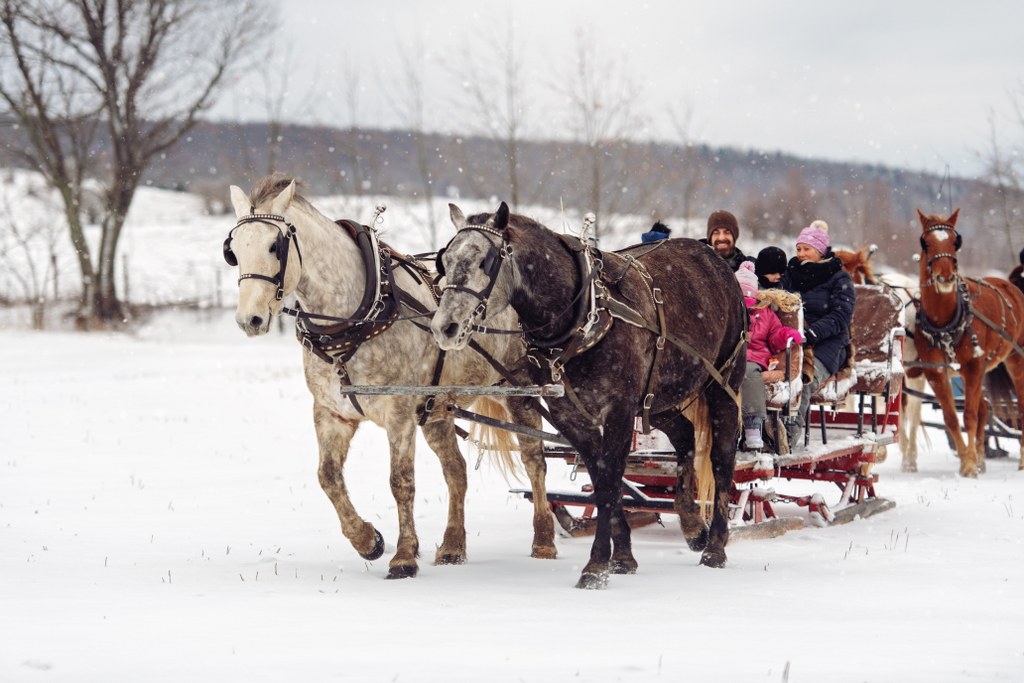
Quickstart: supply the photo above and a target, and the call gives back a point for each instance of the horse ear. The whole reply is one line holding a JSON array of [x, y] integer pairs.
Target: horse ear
[[922, 218], [282, 201], [501, 217], [239, 201], [952, 219], [458, 218]]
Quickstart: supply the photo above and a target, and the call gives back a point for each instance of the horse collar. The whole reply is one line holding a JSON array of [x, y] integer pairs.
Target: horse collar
[[948, 336]]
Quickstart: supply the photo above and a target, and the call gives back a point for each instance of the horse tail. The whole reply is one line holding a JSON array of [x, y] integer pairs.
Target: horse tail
[[498, 442], [1001, 395], [697, 413]]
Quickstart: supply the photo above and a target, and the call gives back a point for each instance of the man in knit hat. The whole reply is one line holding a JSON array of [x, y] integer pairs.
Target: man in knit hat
[[723, 231]]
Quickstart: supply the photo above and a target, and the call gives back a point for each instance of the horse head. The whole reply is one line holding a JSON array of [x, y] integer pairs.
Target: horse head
[[260, 245], [858, 264], [473, 282], [940, 243]]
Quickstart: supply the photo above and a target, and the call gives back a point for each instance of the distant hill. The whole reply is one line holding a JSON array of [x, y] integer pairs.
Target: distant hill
[[773, 194]]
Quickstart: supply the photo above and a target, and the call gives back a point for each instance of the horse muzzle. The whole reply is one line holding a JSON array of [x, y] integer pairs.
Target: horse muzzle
[[451, 335], [253, 325]]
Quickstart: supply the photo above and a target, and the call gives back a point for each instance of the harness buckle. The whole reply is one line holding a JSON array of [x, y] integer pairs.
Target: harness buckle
[[660, 344], [656, 292], [648, 401]]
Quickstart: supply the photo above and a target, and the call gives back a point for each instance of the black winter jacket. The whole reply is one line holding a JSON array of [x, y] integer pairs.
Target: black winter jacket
[[735, 259], [828, 299]]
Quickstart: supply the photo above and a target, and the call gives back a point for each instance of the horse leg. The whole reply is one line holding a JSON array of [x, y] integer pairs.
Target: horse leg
[[910, 423], [695, 530], [944, 395], [606, 479], [440, 436], [974, 415], [724, 416], [618, 435], [532, 453], [333, 436], [1015, 368], [402, 439]]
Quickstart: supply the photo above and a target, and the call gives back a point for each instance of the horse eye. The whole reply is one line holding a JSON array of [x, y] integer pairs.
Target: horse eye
[[273, 248]]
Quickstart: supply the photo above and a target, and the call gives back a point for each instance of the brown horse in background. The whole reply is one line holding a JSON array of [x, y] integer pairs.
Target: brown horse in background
[[858, 265], [965, 326]]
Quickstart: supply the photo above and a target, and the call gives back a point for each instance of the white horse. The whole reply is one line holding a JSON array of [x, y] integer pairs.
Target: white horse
[[283, 246]]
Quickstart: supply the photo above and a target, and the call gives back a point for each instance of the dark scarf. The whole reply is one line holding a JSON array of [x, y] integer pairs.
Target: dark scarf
[[803, 277]]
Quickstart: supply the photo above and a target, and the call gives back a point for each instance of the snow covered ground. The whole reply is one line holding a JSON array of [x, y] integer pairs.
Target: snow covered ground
[[161, 520]]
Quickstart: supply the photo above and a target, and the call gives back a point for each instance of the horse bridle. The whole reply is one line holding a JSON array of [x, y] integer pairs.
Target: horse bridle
[[491, 266], [280, 249], [957, 242]]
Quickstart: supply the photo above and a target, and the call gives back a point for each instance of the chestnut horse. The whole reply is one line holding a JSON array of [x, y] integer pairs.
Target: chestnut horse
[[968, 326], [858, 265], [655, 331]]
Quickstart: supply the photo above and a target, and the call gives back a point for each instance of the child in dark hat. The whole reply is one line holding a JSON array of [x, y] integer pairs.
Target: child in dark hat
[[658, 231], [769, 267]]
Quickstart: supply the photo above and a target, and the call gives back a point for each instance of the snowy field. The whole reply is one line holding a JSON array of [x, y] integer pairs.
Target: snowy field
[[161, 520]]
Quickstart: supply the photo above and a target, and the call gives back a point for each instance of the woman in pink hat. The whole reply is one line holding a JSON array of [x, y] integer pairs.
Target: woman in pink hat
[[828, 298]]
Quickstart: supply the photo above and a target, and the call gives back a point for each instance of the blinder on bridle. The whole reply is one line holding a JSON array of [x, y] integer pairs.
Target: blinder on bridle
[[280, 248]]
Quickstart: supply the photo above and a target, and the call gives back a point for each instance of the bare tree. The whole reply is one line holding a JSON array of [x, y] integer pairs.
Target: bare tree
[[691, 174], [142, 71], [28, 249], [1004, 171], [409, 99], [497, 86], [602, 97]]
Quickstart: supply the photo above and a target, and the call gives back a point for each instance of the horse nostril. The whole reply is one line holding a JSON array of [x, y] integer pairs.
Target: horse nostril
[[451, 330], [256, 322]]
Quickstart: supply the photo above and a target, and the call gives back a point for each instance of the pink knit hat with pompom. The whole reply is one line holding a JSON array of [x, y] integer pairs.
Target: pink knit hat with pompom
[[748, 280], [815, 235]]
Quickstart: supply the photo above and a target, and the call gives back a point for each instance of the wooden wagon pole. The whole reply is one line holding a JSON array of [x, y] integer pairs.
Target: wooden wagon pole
[[546, 390]]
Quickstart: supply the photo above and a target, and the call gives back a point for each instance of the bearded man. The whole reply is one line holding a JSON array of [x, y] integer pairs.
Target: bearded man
[[723, 231]]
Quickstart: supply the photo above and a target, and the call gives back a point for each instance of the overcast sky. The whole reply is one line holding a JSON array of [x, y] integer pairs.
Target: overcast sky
[[903, 83]]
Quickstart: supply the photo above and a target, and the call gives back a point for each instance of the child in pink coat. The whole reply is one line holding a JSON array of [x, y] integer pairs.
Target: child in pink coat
[[767, 337]]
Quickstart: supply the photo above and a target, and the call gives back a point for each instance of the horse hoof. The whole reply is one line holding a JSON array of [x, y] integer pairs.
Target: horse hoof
[[450, 558], [713, 559], [403, 571], [623, 567], [544, 552], [909, 467], [592, 581], [378, 548], [698, 542]]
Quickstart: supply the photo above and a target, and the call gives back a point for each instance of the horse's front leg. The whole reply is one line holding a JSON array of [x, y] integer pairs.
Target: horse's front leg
[[401, 431], [532, 452], [333, 435], [440, 435], [939, 383]]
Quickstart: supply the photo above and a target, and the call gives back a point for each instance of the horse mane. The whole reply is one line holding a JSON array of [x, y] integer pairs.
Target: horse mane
[[269, 187]]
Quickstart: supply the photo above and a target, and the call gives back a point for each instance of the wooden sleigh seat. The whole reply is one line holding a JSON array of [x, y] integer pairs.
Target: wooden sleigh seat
[[874, 365]]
